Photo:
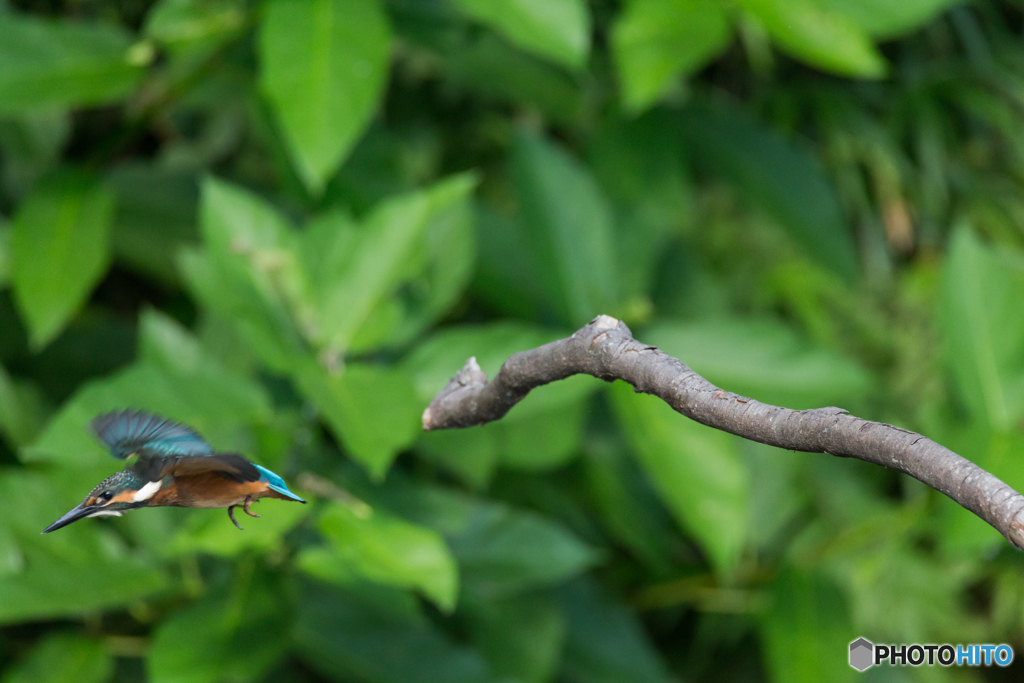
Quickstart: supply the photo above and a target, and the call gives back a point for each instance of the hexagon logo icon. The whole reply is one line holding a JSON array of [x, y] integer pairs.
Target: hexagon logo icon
[[861, 654]]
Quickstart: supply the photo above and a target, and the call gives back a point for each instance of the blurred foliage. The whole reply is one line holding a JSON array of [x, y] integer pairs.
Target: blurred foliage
[[288, 223]]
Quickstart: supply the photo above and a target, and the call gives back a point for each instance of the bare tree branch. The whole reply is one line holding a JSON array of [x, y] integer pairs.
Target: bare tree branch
[[605, 348]]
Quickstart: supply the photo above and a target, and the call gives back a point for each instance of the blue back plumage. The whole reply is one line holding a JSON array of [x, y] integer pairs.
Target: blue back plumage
[[135, 431], [276, 483]]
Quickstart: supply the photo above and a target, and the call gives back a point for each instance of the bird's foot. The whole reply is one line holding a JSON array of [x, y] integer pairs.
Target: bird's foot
[[249, 501], [231, 514]]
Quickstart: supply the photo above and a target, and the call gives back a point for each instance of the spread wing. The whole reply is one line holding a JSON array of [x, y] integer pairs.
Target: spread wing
[[229, 465], [134, 431], [166, 448]]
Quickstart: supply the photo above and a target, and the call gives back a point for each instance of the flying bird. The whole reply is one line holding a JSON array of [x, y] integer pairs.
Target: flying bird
[[174, 466]]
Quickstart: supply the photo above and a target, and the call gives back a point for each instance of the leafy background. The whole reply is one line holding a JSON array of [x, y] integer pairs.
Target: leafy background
[[288, 223]]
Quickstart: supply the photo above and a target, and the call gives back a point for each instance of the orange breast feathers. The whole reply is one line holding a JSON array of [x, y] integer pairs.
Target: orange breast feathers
[[208, 490]]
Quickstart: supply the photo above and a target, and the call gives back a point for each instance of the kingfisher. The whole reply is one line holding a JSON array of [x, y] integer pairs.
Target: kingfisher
[[173, 465]]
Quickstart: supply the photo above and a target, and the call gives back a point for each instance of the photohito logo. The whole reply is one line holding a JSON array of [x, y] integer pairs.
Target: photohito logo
[[864, 654]]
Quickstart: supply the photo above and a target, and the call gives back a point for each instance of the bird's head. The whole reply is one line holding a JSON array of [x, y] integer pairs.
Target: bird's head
[[122, 491]]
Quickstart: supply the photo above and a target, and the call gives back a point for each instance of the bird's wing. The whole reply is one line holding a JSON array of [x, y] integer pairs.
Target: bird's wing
[[166, 448], [154, 466], [133, 431]]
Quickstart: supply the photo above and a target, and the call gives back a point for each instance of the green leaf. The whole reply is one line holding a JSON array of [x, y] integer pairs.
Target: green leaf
[[324, 65], [100, 573], [443, 509], [641, 164], [63, 657], [12, 560], [46, 63], [95, 343], [259, 317], [606, 642], [251, 273], [22, 410], [375, 636], [961, 532], [372, 545], [334, 285], [210, 387], [32, 143], [422, 239], [156, 217], [509, 276], [556, 29], [762, 359], [895, 591], [697, 471], [543, 441], [538, 434], [782, 178], [216, 410], [385, 162], [781, 494], [5, 253], [470, 454], [328, 246], [40, 498], [809, 31], [66, 439], [236, 221], [484, 536], [628, 506], [59, 250], [521, 637], [437, 359], [175, 378], [53, 588], [211, 532], [656, 41], [533, 443], [569, 224], [236, 633], [807, 630], [503, 552], [187, 24], [446, 258], [884, 19], [492, 67], [372, 410], [982, 329]]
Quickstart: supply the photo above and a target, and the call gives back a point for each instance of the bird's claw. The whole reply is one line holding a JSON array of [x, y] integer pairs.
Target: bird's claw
[[249, 501], [231, 514]]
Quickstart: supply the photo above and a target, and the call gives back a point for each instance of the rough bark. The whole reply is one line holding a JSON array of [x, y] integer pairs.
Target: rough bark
[[606, 349]]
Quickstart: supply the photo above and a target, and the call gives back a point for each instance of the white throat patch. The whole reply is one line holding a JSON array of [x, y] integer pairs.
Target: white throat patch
[[147, 491], [106, 513]]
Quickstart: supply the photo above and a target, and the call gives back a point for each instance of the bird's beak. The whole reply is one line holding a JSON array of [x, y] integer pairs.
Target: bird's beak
[[78, 512]]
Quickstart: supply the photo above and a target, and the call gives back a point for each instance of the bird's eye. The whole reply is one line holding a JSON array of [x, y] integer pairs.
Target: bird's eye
[[106, 495]]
